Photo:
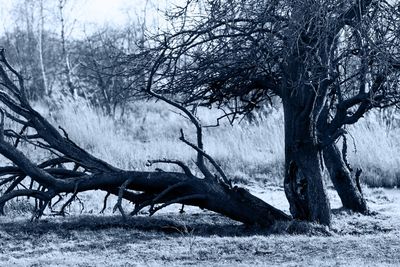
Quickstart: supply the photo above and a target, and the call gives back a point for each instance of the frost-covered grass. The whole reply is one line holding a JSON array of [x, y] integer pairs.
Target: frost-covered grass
[[247, 152], [201, 238]]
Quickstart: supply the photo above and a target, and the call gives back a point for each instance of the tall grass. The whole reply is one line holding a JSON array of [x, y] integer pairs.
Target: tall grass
[[247, 152], [376, 150], [151, 131]]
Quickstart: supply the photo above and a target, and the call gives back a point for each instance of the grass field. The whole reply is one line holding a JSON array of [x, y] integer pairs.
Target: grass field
[[201, 238], [252, 154]]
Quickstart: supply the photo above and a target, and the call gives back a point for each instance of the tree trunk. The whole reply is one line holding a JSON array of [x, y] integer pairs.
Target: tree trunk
[[346, 186], [46, 90], [303, 182], [64, 53]]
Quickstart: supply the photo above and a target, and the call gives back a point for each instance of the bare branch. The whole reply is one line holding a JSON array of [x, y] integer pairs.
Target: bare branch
[[105, 202], [212, 161], [184, 167], [120, 195], [183, 199], [69, 201]]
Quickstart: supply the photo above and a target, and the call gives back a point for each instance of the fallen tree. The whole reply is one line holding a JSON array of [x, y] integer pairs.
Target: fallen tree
[[72, 170]]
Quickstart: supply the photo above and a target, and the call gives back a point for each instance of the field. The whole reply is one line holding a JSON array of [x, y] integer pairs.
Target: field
[[252, 154], [201, 238]]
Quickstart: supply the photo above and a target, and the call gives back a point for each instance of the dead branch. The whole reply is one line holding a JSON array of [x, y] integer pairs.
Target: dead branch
[[207, 156], [184, 167], [120, 196], [105, 202]]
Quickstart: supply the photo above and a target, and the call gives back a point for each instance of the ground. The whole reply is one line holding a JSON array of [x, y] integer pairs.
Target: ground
[[202, 238]]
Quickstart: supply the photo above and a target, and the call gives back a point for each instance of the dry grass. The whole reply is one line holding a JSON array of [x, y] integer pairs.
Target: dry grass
[[376, 151], [248, 152], [151, 131], [201, 238]]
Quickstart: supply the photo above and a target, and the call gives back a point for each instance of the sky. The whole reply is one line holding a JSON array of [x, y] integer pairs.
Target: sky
[[114, 12], [86, 15]]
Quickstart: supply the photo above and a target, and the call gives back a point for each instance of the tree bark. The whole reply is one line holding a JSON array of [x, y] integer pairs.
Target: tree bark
[[346, 186], [236, 203], [46, 90], [303, 181]]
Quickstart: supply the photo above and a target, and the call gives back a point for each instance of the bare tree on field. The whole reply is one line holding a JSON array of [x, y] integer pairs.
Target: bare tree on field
[[329, 62], [41, 48]]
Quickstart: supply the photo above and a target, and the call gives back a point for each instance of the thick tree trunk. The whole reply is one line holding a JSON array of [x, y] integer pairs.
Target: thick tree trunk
[[303, 182], [346, 186]]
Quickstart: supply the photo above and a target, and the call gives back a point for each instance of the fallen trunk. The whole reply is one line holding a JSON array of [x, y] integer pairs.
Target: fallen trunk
[[74, 170], [166, 188]]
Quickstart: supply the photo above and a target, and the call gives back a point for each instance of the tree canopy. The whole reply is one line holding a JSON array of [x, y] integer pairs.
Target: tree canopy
[[239, 53]]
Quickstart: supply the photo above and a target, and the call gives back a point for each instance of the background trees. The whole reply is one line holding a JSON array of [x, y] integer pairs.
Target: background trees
[[40, 43], [102, 70], [34, 46]]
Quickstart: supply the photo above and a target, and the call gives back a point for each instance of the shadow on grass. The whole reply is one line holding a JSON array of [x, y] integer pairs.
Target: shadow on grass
[[204, 225]]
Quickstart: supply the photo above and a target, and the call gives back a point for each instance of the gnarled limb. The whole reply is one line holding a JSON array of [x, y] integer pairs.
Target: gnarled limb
[[345, 184]]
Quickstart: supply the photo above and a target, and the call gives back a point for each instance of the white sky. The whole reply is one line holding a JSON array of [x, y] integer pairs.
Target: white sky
[[85, 15], [115, 12]]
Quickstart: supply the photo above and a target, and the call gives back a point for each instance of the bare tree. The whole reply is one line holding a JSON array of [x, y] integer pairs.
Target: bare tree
[[329, 62], [64, 53], [33, 47], [41, 48], [102, 73], [72, 170]]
